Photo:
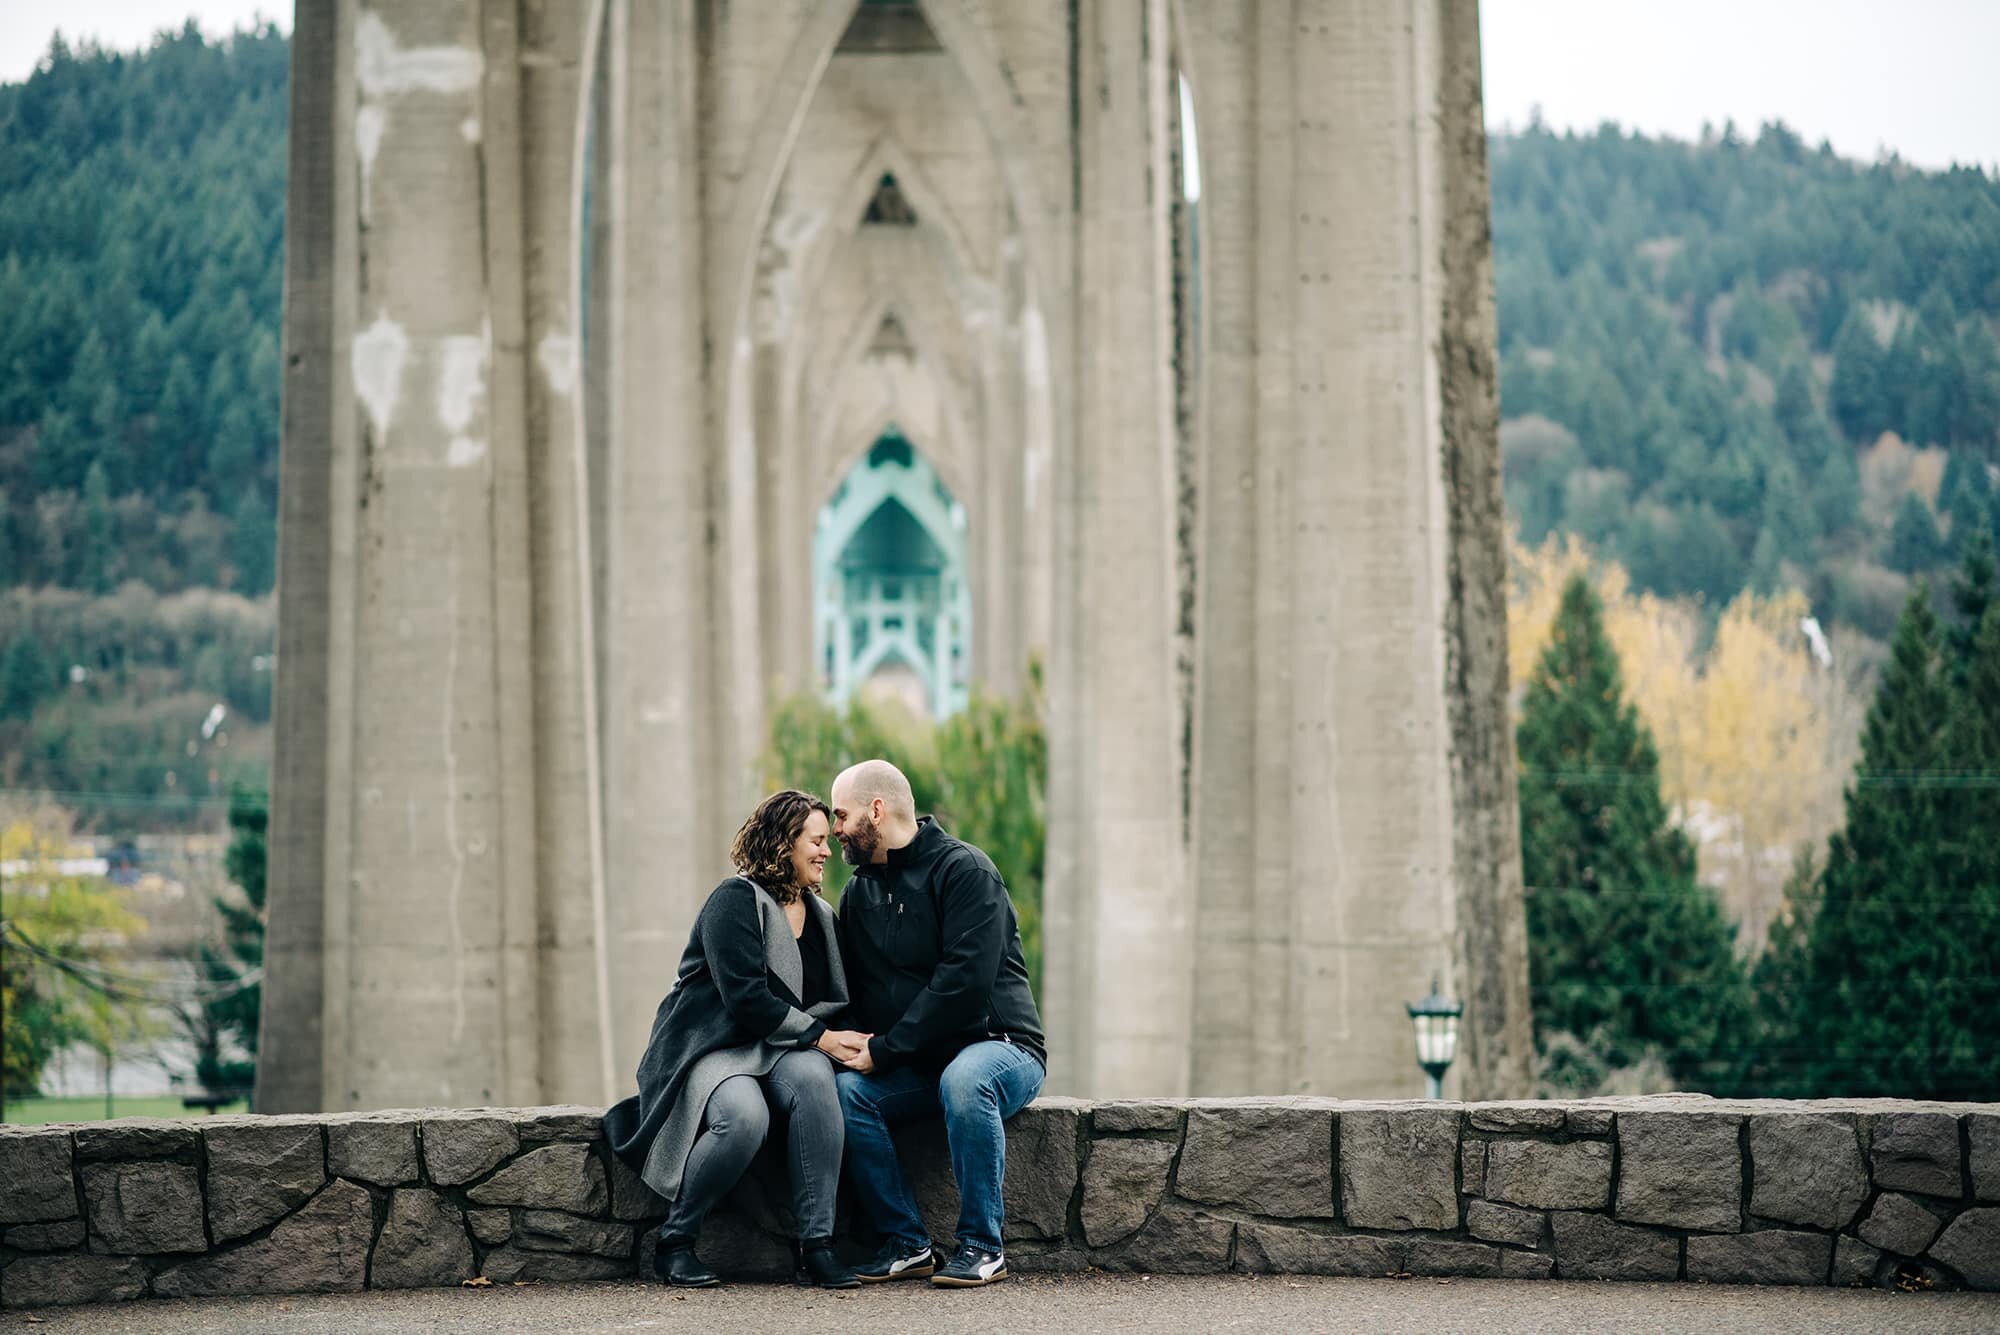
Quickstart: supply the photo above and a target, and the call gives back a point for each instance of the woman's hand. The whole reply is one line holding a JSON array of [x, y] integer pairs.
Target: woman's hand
[[843, 1045]]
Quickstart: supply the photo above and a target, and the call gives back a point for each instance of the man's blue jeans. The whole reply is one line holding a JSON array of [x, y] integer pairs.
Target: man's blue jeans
[[983, 1086]]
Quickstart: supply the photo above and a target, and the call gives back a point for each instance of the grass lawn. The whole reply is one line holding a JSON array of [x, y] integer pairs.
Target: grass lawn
[[91, 1109]]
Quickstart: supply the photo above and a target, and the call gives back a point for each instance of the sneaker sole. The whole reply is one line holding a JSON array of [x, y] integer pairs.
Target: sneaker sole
[[914, 1272], [953, 1282]]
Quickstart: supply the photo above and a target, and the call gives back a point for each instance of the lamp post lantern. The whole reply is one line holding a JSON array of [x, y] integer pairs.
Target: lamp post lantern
[[1436, 1023]]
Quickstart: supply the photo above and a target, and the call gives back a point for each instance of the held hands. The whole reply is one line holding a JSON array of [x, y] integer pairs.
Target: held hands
[[847, 1047]]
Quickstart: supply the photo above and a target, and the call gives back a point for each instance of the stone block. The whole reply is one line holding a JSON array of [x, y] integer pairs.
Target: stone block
[[378, 1150], [136, 1138], [1589, 1121], [1971, 1246], [506, 1265], [49, 1281], [1135, 1116], [1273, 1159], [1041, 1169], [35, 1178], [1123, 1180], [1472, 1166], [553, 1231], [1854, 1262], [260, 1171], [321, 1249], [1504, 1223], [1589, 1246], [1900, 1225], [1777, 1256], [1274, 1249], [631, 1198], [1543, 1175], [1681, 1169], [423, 1243], [1526, 1265], [1917, 1152], [490, 1226], [1442, 1256], [1041, 1173], [564, 1122], [145, 1207], [1175, 1241], [1806, 1168], [564, 1176], [44, 1237], [1397, 1168], [1982, 1132], [1541, 1117], [462, 1149]]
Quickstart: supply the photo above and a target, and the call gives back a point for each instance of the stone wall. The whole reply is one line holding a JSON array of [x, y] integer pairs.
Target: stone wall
[[1680, 1187]]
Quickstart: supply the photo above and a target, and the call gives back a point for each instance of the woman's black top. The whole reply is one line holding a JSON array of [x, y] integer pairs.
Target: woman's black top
[[812, 954]]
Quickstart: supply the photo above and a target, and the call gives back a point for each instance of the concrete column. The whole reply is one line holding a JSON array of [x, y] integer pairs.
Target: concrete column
[[314, 574], [1121, 989], [1345, 232], [427, 876], [668, 819]]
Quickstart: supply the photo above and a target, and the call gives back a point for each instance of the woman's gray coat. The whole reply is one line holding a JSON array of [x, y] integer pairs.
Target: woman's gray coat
[[733, 1010]]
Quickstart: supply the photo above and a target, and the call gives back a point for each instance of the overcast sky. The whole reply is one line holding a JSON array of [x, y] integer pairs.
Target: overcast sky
[[1915, 76]]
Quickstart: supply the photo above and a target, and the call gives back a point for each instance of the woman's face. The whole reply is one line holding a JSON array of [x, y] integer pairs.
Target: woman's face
[[809, 852]]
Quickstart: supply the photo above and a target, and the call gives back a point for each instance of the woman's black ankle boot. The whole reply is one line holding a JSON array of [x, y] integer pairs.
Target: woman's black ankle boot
[[675, 1262], [819, 1267]]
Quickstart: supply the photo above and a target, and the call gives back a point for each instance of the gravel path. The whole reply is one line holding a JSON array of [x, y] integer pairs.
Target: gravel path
[[1066, 1305]]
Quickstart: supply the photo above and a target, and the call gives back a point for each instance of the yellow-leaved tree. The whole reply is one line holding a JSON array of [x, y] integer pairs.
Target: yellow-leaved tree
[[60, 925], [1755, 734]]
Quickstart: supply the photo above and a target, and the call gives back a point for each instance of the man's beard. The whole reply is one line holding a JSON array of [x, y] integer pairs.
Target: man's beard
[[860, 846]]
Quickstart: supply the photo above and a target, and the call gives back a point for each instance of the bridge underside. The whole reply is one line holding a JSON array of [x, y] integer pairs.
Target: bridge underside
[[592, 305]]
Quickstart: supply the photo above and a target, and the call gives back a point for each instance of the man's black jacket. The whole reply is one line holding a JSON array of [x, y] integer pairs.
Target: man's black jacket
[[933, 951]]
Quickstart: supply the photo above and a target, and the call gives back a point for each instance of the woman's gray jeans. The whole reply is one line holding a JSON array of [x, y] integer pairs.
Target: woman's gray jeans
[[734, 1126]]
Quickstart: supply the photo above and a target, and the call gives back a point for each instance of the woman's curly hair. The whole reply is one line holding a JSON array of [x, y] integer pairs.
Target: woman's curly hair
[[763, 847]]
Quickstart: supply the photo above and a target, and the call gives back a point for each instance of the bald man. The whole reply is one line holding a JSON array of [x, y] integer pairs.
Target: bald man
[[936, 974]]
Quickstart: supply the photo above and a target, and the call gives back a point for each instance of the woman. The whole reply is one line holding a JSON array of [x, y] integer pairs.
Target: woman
[[742, 1034]]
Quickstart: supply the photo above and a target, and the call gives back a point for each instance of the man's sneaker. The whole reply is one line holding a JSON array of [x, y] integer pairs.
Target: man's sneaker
[[970, 1267], [897, 1260]]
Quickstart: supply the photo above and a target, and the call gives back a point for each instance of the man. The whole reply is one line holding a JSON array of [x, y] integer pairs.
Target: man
[[936, 974]]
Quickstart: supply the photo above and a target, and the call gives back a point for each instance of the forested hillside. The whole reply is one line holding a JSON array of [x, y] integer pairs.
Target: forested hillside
[[1740, 363], [1702, 347], [141, 235]]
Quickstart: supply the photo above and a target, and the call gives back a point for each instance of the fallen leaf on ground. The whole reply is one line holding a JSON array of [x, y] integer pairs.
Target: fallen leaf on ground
[[477, 1282]]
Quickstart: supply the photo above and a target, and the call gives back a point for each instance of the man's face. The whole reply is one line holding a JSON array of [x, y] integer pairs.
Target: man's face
[[859, 828]]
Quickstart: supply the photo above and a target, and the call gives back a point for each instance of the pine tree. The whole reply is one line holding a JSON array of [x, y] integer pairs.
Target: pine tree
[[1973, 820], [1914, 543], [238, 1013], [98, 542], [1973, 590], [1626, 950], [25, 677], [1878, 1014]]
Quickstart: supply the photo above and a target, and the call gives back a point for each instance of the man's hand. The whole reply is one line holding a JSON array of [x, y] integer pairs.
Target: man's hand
[[843, 1044], [863, 1061]]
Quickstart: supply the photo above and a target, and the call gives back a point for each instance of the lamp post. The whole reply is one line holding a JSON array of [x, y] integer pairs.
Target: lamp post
[[1436, 1023]]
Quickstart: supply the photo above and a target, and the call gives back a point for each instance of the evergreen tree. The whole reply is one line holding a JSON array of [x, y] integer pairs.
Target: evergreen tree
[[98, 542], [1973, 590], [237, 1014], [1973, 907], [25, 677], [1914, 542], [1882, 1011], [1626, 950]]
